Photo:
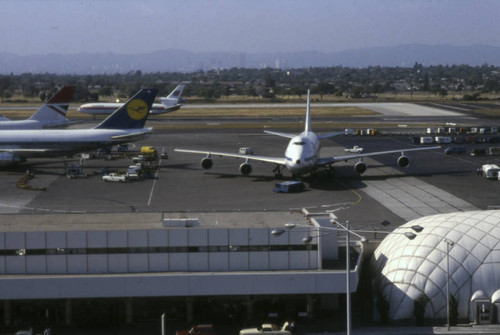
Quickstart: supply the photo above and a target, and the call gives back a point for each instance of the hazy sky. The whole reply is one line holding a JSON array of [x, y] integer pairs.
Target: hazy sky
[[126, 26]]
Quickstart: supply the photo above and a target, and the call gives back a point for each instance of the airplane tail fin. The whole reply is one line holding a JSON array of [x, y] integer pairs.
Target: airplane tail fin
[[55, 109], [174, 97], [307, 128], [133, 114]]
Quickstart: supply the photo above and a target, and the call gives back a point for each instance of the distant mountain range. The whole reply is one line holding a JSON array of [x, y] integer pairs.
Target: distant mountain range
[[172, 60]]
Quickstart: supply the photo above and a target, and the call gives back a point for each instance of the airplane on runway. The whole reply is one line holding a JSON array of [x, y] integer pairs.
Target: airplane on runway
[[126, 124], [171, 103], [302, 153], [52, 114]]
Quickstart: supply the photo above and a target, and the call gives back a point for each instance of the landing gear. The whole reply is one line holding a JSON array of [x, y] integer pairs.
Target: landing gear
[[330, 170], [277, 172]]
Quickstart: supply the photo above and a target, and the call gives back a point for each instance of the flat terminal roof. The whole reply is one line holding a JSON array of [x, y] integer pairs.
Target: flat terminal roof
[[149, 220]]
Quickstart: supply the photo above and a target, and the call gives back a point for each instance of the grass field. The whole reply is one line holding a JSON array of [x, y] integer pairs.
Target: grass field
[[186, 112]]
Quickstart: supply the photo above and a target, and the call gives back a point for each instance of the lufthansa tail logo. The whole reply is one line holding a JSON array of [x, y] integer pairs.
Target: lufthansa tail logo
[[137, 109]]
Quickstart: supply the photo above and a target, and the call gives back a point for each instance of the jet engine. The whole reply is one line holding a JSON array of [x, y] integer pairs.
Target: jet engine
[[9, 158], [207, 163], [245, 169], [360, 167], [403, 161]]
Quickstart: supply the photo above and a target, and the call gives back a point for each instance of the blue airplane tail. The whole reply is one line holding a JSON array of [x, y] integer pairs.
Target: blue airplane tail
[[133, 114]]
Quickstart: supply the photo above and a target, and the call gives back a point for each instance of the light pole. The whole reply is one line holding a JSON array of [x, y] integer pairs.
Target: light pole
[[448, 244], [348, 231]]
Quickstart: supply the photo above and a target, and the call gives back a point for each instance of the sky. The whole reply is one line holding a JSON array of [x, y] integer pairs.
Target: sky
[[248, 26]]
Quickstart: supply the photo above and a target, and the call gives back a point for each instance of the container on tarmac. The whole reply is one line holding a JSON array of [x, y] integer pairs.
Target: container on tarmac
[[426, 140], [442, 139]]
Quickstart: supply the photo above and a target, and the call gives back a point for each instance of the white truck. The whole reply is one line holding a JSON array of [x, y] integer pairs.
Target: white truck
[[115, 177], [490, 171], [266, 329]]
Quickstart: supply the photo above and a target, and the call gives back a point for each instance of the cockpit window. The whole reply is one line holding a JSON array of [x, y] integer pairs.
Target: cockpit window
[[299, 143]]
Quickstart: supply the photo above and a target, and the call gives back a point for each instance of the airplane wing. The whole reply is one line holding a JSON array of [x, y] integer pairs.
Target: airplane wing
[[24, 151], [279, 134], [133, 136], [274, 160], [330, 160], [345, 132]]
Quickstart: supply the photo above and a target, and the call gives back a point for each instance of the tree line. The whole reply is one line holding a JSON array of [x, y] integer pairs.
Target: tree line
[[268, 83]]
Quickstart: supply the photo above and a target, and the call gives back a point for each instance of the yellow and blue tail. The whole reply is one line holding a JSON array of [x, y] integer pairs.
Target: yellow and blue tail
[[133, 114]]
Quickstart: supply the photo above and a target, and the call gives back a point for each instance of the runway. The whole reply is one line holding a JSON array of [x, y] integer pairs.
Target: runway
[[389, 109]]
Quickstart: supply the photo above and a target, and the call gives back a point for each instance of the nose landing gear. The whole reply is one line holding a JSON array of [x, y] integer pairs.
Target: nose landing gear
[[277, 172]]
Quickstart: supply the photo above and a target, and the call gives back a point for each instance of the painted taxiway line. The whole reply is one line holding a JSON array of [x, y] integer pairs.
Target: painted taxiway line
[[411, 198]]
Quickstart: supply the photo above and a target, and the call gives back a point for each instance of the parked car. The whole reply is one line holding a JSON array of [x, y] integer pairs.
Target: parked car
[[207, 329], [24, 332], [266, 329]]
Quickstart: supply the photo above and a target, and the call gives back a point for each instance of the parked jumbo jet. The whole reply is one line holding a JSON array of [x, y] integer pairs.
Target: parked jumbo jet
[[168, 104], [126, 124], [51, 114], [302, 154]]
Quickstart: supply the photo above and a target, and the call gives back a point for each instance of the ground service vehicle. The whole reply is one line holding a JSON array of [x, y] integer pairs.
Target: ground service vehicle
[[246, 151], [478, 152], [289, 187], [493, 151], [455, 150], [148, 150], [355, 149], [115, 177], [265, 329], [490, 171], [198, 329]]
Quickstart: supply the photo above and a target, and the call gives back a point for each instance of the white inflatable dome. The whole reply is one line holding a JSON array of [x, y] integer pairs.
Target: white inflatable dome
[[406, 269]]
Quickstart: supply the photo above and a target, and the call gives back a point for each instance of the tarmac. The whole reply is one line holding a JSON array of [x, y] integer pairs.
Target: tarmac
[[462, 330]]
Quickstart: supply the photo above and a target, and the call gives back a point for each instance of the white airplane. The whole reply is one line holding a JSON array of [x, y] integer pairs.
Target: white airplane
[[302, 153], [51, 114], [126, 124], [168, 104]]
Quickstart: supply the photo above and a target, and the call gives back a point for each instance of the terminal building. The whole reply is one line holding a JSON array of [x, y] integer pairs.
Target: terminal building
[[80, 268]]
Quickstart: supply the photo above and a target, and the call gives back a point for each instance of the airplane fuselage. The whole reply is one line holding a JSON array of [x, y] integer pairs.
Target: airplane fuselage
[[21, 124], [58, 142], [29, 124], [302, 153], [108, 108]]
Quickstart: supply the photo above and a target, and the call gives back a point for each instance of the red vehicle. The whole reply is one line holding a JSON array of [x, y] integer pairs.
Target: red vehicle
[[198, 329]]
